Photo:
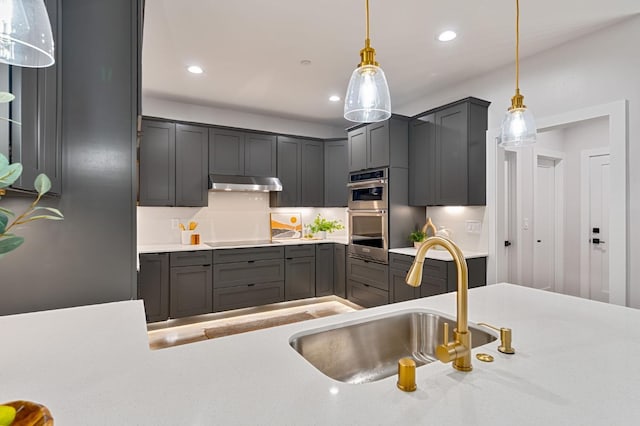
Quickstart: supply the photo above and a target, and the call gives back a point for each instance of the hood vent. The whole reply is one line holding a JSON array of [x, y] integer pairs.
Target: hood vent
[[244, 183]]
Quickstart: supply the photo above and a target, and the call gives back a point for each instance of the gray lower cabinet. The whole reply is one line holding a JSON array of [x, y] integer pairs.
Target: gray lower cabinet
[[191, 291], [301, 170], [339, 270], [248, 277], [300, 272], [324, 269], [336, 173], [438, 276], [153, 285], [447, 148], [173, 164], [190, 285], [367, 282]]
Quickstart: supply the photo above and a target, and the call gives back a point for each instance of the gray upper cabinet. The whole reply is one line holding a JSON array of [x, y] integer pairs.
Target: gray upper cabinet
[[260, 155], [358, 149], [226, 152], [233, 152], [312, 174], [422, 135], [158, 163], [336, 173], [382, 144], [37, 142], [301, 171], [191, 166], [173, 164], [448, 155]]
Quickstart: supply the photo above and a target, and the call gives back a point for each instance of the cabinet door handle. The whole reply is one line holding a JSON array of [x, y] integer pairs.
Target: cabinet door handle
[[250, 285], [250, 261]]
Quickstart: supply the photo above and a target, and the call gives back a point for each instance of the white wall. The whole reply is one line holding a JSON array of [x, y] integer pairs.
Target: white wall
[[596, 69], [454, 219], [162, 108], [230, 216]]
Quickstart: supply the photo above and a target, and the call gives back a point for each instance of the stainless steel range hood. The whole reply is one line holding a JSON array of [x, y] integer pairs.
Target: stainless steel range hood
[[244, 183]]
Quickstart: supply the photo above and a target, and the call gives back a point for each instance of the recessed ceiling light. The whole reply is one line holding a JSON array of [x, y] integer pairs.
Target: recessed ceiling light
[[194, 69], [447, 35], [334, 98], [305, 62]]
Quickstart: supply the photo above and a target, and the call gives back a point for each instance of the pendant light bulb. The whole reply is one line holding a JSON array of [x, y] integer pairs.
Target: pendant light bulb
[[25, 34], [518, 126], [367, 99]]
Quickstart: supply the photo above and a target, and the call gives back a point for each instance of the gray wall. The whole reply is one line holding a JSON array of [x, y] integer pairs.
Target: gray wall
[[90, 256]]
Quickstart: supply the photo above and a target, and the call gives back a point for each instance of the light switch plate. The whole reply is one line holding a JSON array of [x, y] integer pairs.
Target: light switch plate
[[473, 226]]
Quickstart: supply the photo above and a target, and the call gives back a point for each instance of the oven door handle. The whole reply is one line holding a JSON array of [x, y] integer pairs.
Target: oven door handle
[[367, 184], [367, 212]]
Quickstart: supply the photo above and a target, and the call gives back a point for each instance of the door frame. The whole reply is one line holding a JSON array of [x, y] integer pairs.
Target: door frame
[[616, 112], [558, 159], [585, 155]]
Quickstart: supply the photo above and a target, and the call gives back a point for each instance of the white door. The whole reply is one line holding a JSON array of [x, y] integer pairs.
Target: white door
[[544, 226], [599, 227], [511, 219]]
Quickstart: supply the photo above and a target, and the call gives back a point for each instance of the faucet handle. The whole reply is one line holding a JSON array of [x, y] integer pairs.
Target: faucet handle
[[505, 338], [445, 333]]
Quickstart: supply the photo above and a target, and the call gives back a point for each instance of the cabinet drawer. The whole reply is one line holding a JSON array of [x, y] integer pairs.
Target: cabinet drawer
[[251, 272], [247, 254], [370, 273], [401, 262], [190, 258], [303, 250], [435, 268], [366, 295], [247, 295]]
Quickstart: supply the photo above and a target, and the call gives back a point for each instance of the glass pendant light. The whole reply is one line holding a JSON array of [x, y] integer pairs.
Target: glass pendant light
[[367, 99], [518, 126], [25, 34]]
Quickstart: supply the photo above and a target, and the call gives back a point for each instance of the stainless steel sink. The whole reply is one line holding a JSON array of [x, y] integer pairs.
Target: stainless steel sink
[[369, 350]]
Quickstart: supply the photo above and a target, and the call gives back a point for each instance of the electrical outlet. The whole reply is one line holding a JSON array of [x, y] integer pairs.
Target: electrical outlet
[[525, 224], [174, 223], [473, 226]]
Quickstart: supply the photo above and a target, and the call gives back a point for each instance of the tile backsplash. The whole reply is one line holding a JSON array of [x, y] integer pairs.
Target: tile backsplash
[[230, 216], [456, 219]]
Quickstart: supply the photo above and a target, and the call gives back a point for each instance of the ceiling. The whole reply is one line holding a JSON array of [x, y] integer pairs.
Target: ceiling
[[251, 50]]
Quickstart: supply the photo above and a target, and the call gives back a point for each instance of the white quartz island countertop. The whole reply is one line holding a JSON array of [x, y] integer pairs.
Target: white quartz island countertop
[[576, 363]]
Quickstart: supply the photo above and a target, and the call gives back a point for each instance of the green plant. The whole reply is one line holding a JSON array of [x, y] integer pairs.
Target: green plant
[[417, 236], [9, 173], [320, 224]]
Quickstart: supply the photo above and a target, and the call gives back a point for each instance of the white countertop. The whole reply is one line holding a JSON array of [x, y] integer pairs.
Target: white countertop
[[171, 247], [438, 254], [575, 363]]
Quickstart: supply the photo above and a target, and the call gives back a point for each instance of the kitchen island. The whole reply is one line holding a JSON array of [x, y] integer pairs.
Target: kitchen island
[[575, 363]]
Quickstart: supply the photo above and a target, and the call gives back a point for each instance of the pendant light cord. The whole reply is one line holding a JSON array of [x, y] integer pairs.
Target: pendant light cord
[[517, 44], [367, 24]]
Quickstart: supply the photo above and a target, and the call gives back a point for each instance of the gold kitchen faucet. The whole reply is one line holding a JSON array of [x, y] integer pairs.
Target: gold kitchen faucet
[[458, 351]]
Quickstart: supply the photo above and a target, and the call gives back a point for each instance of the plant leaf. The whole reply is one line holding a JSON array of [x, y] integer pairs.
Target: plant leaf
[[32, 218], [7, 212], [42, 184], [9, 244], [6, 97], [3, 162], [3, 222], [51, 209], [10, 174]]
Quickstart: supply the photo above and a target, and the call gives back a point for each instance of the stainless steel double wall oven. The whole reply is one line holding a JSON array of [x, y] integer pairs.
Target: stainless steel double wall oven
[[368, 214]]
